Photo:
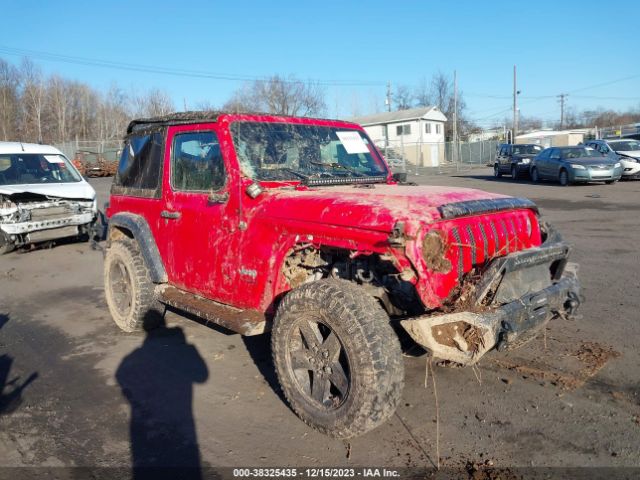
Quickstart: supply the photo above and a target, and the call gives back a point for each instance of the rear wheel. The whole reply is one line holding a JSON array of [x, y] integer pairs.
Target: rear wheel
[[128, 287], [337, 358], [496, 171], [563, 178]]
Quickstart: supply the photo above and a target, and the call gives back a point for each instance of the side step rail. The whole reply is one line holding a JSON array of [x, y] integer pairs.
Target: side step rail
[[244, 322]]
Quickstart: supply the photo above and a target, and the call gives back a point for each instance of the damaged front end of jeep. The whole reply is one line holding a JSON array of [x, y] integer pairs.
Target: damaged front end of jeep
[[27, 217], [490, 275]]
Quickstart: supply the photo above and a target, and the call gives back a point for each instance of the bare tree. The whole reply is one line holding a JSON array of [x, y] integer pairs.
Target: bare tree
[[403, 98], [34, 100], [422, 94], [205, 105], [442, 95], [58, 95], [9, 100], [279, 96], [156, 103]]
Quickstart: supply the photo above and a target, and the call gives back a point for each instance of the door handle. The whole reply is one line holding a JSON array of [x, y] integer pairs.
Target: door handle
[[168, 214]]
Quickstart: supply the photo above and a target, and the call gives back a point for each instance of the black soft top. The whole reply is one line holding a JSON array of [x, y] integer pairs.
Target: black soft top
[[173, 119], [182, 118]]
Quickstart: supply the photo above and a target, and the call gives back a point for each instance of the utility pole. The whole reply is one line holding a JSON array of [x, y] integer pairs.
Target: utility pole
[[515, 106], [388, 99], [455, 117], [562, 98]]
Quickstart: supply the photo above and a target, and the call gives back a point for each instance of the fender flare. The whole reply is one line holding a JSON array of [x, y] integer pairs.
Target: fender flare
[[141, 232]]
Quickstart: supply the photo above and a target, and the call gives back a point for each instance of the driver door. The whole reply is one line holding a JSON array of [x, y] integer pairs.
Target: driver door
[[196, 219]]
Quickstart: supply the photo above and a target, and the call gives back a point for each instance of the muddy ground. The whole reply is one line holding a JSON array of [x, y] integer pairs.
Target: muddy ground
[[570, 398]]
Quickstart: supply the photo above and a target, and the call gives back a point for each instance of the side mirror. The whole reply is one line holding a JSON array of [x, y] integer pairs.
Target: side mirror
[[400, 177], [218, 197]]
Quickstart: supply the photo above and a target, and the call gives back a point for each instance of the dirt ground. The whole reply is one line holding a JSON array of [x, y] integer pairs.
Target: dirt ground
[[71, 382]]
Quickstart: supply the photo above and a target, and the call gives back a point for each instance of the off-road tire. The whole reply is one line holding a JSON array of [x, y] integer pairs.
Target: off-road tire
[[144, 311], [368, 342], [535, 175], [496, 171], [563, 178]]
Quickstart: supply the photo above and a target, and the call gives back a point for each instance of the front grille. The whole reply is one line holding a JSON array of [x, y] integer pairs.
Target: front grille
[[472, 242], [481, 239]]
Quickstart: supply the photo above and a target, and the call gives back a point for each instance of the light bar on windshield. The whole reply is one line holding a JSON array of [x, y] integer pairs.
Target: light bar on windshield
[[314, 182]]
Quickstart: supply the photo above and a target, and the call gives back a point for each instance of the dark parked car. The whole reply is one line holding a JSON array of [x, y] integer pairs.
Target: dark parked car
[[574, 165], [514, 159]]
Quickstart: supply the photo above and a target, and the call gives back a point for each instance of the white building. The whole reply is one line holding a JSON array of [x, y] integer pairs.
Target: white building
[[416, 134], [553, 138]]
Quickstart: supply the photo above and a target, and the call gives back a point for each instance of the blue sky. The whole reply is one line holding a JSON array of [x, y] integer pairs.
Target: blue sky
[[558, 46]]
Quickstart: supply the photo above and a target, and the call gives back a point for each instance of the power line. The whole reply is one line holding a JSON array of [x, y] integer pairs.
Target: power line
[[166, 70], [611, 82]]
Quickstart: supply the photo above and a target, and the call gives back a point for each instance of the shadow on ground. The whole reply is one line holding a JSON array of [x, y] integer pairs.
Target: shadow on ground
[[157, 379], [12, 398]]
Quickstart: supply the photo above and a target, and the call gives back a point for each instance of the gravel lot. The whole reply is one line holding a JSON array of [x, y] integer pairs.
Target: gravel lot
[[570, 398]]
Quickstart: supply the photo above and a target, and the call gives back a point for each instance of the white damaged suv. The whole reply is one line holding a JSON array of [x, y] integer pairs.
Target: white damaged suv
[[42, 196]]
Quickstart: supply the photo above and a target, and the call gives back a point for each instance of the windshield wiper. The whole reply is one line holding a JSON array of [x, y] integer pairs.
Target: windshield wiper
[[296, 173]]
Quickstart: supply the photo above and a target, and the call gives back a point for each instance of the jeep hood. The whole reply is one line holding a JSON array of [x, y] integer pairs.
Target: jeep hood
[[376, 208], [75, 190]]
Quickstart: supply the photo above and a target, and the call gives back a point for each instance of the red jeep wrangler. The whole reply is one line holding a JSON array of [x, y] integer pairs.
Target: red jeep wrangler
[[295, 225]]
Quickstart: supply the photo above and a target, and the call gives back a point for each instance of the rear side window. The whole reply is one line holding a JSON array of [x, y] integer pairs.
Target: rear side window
[[140, 167], [196, 162]]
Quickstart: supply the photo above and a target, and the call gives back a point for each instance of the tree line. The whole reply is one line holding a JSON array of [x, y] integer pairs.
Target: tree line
[[50, 109]]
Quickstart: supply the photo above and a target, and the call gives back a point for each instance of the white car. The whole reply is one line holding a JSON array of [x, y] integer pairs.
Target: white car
[[42, 196], [626, 150]]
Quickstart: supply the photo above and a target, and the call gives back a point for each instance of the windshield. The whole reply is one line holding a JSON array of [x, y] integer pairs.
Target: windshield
[[526, 149], [568, 153], [625, 145], [21, 168], [284, 151]]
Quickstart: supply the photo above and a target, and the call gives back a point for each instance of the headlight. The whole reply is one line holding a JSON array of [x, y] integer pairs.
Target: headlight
[[577, 166], [528, 225], [525, 160], [617, 165]]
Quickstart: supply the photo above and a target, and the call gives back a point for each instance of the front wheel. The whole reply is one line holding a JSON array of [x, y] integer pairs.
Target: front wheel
[[610, 182], [535, 176], [563, 178], [6, 245], [337, 358], [514, 172], [496, 171]]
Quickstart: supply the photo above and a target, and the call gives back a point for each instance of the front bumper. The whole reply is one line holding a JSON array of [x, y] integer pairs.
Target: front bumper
[[520, 306], [630, 170], [46, 224], [596, 175]]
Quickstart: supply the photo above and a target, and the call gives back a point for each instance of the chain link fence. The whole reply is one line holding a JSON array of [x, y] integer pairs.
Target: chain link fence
[[91, 151], [426, 157]]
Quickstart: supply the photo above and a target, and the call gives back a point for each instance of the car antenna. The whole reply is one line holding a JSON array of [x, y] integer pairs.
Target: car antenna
[[21, 145]]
